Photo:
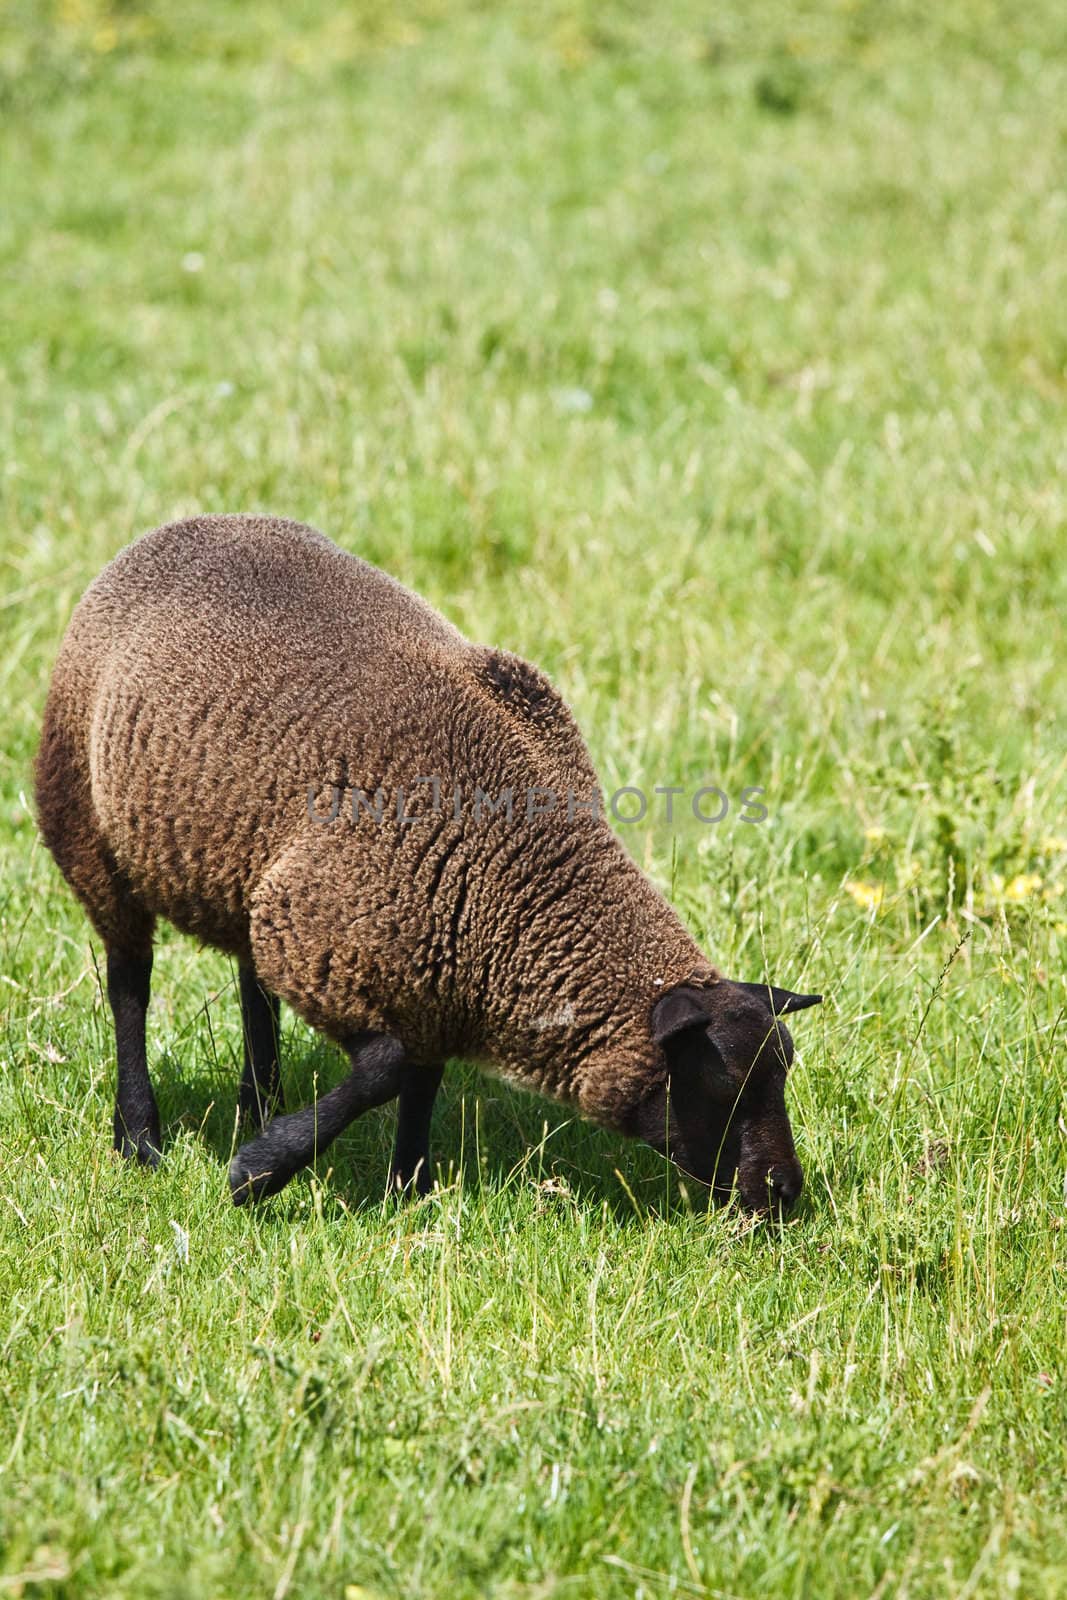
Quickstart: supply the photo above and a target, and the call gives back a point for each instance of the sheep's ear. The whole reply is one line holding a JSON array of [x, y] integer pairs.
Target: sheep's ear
[[675, 1011], [782, 1001]]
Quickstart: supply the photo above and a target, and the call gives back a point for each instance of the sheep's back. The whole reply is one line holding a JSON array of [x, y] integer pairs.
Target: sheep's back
[[219, 668], [224, 669]]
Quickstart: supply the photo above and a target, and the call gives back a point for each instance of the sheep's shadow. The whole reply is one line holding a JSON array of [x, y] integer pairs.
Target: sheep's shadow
[[486, 1135]]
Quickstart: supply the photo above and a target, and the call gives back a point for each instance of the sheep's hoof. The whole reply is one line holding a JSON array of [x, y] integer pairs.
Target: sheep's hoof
[[259, 1110], [407, 1186], [251, 1178], [144, 1149], [254, 1119]]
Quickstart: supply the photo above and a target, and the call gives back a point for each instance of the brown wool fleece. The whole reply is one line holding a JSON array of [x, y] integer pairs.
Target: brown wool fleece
[[221, 669]]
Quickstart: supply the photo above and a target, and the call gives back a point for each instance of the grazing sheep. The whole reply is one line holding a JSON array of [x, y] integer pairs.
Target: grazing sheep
[[279, 749]]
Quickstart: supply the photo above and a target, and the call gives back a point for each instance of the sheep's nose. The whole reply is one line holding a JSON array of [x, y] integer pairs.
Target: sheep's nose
[[784, 1185]]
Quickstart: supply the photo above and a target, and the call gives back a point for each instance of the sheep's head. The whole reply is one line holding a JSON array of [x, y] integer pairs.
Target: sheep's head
[[720, 1112]]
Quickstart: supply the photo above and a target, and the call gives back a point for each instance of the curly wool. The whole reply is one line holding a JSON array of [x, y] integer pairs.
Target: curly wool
[[222, 670]]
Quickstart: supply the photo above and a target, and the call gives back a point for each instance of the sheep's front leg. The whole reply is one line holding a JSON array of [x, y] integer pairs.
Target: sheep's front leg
[[265, 1165], [260, 1094], [411, 1158]]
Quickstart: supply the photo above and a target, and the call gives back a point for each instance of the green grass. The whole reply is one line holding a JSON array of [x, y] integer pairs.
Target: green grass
[[716, 360]]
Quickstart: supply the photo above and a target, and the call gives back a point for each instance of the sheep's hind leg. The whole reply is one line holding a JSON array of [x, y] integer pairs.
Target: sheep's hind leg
[[265, 1165], [73, 833], [137, 1134], [411, 1158], [260, 1095]]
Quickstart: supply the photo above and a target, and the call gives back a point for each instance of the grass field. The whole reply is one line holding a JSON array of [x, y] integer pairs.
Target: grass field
[[716, 359]]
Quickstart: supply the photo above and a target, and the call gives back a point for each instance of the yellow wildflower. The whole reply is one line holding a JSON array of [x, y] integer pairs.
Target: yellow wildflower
[[1022, 886], [867, 895]]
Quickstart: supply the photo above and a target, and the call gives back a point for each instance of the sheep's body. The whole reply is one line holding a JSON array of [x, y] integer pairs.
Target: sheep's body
[[221, 668]]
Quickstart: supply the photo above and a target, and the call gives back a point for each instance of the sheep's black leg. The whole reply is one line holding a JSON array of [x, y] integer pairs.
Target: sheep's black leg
[[265, 1165], [260, 1095], [137, 1132], [411, 1158]]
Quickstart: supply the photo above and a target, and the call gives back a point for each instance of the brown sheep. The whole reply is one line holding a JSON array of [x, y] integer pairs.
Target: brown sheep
[[279, 749]]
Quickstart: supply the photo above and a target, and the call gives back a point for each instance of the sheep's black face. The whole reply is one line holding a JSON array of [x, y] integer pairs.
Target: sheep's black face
[[720, 1114]]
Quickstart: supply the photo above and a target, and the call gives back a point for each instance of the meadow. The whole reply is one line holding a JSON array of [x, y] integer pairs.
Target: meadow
[[715, 358]]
